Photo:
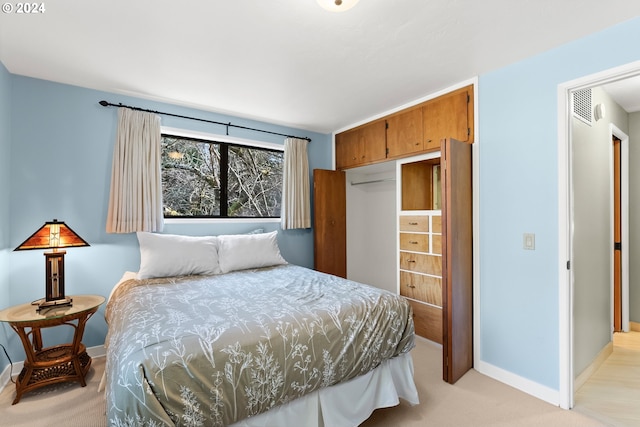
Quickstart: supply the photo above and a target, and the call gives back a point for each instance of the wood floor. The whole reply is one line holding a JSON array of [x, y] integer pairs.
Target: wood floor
[[612, 393]]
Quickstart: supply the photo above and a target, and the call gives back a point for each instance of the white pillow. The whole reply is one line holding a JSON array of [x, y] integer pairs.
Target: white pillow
[[242, 251], [168, 255]]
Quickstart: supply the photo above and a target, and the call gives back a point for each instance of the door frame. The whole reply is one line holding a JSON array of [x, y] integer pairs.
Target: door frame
[[565, 215]]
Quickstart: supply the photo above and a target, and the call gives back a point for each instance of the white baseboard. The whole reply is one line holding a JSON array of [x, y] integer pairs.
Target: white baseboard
[[97, 351], [539, 391], [93, 352], [593, 367]]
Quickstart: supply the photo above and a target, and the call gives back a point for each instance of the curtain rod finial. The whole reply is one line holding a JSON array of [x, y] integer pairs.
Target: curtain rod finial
[[103, 103]]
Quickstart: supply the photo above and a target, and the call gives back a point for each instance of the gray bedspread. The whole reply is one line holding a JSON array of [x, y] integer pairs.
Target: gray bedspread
[[212, 350]]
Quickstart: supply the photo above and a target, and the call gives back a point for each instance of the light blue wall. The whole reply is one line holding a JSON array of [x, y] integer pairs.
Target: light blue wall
[[519, 193], [61, 153], [5, 149]]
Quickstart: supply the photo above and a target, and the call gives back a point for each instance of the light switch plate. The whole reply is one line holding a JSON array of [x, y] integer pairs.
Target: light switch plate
[[529, 241]]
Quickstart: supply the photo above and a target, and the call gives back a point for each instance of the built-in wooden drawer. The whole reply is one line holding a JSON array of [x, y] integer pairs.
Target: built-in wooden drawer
[[436, 224], [427, 321], [422, 263], [414, 223], [414, 242], [421, 287], [436, 244]]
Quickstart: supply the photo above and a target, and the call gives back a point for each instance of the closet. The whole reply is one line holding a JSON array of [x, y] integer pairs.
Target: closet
[[420, 242], [432, 256], [435, 227], [407, 222]]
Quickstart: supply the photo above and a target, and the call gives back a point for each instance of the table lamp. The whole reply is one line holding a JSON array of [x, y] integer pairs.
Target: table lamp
[[53, 235]]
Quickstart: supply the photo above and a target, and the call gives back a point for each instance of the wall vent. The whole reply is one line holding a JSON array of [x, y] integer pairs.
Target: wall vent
[[582, 105]]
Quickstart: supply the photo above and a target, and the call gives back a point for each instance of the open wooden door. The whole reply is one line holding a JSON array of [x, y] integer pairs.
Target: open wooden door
[[457, 259], [617, 235], [330, 222]]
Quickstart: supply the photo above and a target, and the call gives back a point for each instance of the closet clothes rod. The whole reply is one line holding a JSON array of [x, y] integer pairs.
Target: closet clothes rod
[[373, 181], [228, 125]]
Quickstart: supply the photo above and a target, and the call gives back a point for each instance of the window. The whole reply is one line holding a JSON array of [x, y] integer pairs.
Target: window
[[212, 179]]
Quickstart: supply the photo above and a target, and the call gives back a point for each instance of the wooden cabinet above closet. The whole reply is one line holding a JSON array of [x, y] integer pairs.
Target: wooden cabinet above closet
[[408, 132], [448, 116], [362, 145], [405, 133]]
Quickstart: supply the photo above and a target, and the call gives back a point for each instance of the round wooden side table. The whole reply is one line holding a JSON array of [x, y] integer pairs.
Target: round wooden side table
[[65, 362]]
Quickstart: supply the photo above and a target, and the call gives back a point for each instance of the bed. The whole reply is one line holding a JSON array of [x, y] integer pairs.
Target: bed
[[250, 340]]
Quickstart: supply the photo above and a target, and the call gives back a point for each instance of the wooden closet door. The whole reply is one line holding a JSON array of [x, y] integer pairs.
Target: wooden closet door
[[330, 222], [457, 259]]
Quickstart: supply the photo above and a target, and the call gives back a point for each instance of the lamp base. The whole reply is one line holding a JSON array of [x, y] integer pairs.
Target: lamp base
[[43, 304]]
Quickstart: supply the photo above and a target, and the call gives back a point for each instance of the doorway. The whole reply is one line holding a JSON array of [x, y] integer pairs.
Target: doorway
[[569, 249]]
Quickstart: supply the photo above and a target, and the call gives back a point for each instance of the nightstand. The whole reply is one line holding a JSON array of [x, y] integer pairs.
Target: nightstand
[[65, 362]]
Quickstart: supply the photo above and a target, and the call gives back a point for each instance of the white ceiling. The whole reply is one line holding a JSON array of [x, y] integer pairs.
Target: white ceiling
[[289, 61]]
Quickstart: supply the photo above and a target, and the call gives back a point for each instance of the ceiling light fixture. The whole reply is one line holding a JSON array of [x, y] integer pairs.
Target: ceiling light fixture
[[337, 5]]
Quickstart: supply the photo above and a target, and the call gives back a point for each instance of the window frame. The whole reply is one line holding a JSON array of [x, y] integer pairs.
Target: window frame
[[216, 138]]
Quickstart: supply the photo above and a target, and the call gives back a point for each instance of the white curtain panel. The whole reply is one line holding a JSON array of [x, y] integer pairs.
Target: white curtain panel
[[296, 210], [135, 200]]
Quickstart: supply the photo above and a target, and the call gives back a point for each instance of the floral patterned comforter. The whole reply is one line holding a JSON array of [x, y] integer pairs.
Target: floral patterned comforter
[[212, 350]]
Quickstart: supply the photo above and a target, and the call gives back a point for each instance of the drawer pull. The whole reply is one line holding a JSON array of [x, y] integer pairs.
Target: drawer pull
[[411, 260], [411, 286], [413, 242], [413, 223]]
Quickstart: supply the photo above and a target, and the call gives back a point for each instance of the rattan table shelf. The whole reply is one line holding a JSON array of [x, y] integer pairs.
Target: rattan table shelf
[[59, 363]]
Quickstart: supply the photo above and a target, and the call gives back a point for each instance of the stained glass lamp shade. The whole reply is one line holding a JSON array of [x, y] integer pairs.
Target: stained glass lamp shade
[[53, 235]]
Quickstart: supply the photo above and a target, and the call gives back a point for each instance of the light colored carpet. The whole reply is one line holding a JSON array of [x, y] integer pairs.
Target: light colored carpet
[[57, 405], [475, 400]]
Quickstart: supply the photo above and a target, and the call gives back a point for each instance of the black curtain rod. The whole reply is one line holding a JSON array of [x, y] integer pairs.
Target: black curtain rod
[[228, 125]]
